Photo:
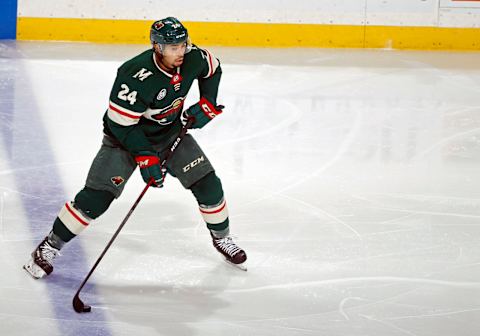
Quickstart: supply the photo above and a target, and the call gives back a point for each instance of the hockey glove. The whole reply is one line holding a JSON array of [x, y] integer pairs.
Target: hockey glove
[[150, 167], [202, 112]]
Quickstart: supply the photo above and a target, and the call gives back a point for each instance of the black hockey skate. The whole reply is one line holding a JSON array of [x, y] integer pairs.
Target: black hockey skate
[[232, 252], [40, 264]]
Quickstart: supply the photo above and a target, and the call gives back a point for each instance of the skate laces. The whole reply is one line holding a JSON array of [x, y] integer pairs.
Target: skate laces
[[227, 245], [48, 252]]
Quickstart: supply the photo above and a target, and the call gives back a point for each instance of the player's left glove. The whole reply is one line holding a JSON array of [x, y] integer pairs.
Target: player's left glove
[[150, 167], [203, 112]]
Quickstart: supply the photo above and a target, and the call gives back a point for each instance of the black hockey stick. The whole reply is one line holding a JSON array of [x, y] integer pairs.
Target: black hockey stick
[[78, 304]]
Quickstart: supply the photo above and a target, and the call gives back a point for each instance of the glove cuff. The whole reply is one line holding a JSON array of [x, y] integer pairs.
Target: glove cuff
[[145, 161], [208, 108]]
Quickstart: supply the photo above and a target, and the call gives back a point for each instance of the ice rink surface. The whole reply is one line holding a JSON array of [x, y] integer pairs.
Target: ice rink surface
[[352, 178]]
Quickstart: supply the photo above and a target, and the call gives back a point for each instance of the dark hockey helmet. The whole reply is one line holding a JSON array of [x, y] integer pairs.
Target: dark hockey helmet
[[169, 31]]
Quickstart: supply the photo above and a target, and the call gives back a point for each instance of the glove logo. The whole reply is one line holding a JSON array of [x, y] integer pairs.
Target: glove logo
[[117, 180], [162, 94], [208, 111], [144, 163]]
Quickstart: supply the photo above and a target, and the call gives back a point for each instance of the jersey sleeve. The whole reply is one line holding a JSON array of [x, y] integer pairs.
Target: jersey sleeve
[[210, 63], [209, 79], [128, 102]]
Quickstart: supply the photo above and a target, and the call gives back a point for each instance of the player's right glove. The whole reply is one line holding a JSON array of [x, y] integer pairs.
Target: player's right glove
[[150, 167], [202, 112]]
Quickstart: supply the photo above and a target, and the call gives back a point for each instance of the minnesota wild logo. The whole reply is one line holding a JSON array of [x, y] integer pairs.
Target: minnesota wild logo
[[158, 25], [117, 180], [173, 108]]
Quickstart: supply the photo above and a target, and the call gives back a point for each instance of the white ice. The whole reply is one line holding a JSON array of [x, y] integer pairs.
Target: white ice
[[352, 178]]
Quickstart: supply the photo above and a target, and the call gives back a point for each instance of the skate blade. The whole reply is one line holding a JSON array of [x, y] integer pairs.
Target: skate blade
[[241, 267], [34, 270]]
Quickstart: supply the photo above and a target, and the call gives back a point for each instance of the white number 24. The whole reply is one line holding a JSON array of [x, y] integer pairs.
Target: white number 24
[[126, 95]]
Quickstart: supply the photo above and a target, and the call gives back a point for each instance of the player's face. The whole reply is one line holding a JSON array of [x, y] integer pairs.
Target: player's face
[[173, 54]]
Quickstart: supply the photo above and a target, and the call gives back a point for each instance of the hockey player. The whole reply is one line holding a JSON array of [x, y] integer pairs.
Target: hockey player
[[144, 116]]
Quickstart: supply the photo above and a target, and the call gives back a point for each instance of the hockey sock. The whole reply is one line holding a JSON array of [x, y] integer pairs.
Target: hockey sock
[[75, 216], [213, 208]]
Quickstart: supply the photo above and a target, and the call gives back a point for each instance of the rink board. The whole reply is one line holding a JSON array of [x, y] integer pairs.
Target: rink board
[[256, 34]]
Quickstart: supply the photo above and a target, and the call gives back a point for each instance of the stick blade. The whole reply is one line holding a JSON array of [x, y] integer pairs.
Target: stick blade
[[79, 306]]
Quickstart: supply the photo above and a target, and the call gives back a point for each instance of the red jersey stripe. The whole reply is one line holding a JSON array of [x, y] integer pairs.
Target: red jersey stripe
[[113, 108]]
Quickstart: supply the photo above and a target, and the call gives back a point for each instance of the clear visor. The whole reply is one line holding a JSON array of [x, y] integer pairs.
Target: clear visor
[[177, 48]]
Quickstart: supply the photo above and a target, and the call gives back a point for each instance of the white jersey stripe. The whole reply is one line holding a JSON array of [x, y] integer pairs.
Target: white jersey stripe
[[122, 116], [121, 119], [212, 63], [123, 110], [73, 219]]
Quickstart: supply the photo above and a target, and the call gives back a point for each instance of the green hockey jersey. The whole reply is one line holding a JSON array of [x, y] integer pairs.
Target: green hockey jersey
[[146, 101]]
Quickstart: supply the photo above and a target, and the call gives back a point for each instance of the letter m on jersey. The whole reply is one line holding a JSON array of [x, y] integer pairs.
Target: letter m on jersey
[[142, 74]]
